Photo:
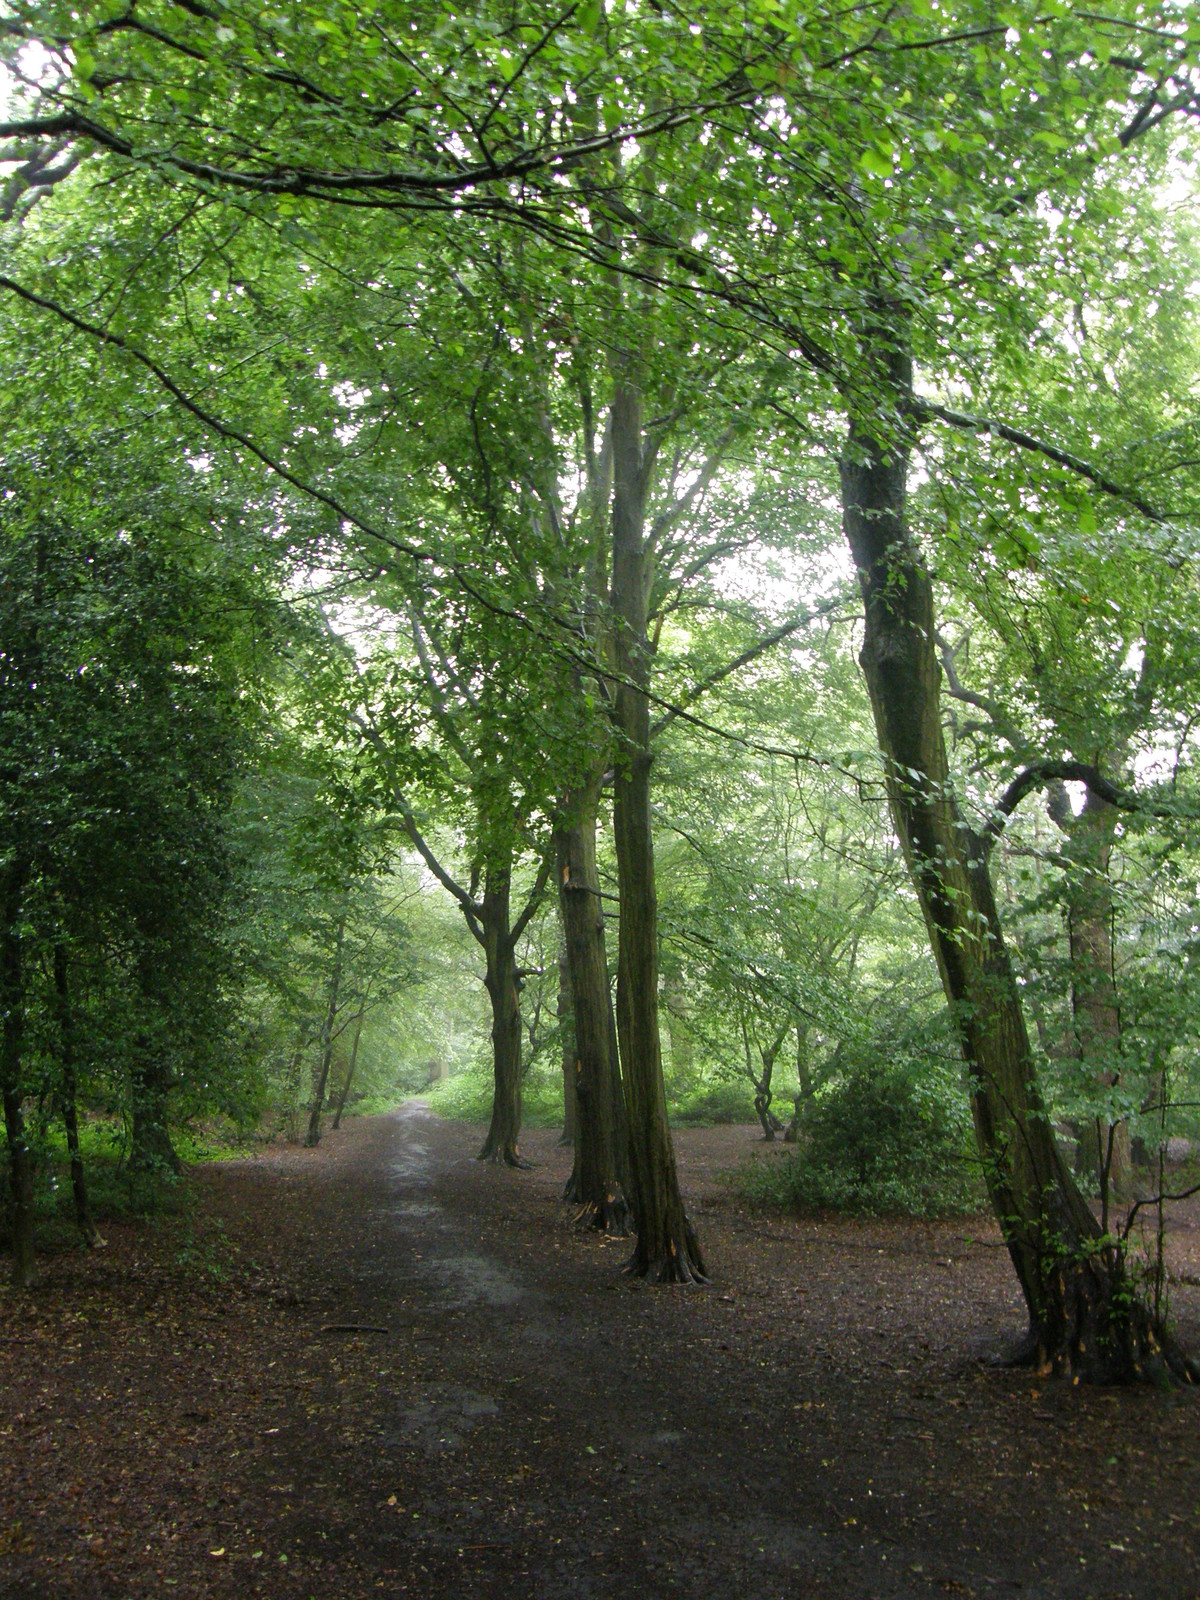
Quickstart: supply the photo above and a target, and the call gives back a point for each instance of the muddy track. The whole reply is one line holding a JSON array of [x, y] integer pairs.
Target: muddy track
[[383, 1367]]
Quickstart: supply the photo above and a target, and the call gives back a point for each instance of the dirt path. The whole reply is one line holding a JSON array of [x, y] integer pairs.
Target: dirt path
[[192, 1412]]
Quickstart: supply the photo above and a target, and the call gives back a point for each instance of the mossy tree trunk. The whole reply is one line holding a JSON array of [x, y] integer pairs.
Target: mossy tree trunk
[[1084, 1315], [1104, 1146], [566, 1032], [151, 1149]]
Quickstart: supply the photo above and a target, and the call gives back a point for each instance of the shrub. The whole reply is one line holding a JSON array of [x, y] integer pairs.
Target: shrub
[[725, 1100], [894, 1140]]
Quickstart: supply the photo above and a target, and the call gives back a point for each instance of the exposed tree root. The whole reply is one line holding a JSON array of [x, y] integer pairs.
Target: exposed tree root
[[573, 1188], [610, 1216], [503, 1153], [680, 1261], [1096, 1333]]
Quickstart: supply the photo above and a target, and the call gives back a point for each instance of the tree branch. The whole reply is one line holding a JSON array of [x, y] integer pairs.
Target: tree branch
[[752, 653], [1045, 772], [924, 410], [536, 896]]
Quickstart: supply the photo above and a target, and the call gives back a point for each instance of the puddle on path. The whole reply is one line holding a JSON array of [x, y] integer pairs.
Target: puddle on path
[[439, 1420], [458, 1280], [471, 1280]]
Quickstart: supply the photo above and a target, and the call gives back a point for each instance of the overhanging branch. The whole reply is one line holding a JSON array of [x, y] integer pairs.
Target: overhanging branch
[[924, 410], [1042, 773]]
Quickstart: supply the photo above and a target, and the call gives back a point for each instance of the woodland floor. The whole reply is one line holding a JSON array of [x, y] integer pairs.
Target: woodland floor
[[178, 1416]]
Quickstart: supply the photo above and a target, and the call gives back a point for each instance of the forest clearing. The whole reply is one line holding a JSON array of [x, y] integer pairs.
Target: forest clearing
[[518, 1417]]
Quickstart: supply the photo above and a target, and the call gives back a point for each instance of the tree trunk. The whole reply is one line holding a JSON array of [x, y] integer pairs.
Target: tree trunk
[[804, 1085], [313, 1137], [151, 1151], [596, 1187], [500, 980], [68, 1091], [771, 1124], [566, 1028], [667, 1248], [12, 1045], [1084, 1315], [1104, 1151], [341, 1105]]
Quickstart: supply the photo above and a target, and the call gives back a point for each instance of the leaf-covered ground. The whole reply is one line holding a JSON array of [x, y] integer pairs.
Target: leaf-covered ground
[[381, 1367]]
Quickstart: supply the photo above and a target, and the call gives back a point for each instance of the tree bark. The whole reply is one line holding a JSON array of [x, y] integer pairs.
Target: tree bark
[[1084, 1315], [761, 1081], [12, 1045], [313, 1137], [566, 1028], [345, 1094], [1104, 1149], [804, 1085], [500, 980], [596, 1186], [69, 1093], [667, 1249]]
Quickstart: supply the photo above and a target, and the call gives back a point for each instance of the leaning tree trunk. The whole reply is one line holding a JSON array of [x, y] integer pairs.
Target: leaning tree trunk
[[69, 1093], [595, 1185], [667, 1248], [500, 980], [1084, 1316], [345, 1094], [12, 1045], [313, 1137]]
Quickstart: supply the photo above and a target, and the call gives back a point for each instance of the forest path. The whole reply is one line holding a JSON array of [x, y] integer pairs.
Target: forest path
[[215, 1420]]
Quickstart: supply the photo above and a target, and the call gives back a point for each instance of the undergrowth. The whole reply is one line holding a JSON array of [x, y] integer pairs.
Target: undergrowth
[[885, 1142]]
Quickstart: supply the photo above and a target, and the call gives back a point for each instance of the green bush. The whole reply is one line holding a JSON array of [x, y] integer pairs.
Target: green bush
[[896, 1140], [724, 1100]]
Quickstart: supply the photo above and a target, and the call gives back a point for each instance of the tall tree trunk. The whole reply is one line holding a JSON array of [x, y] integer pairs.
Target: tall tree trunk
[[345, 1094], [500, 980], [12, 1045], [667, 1248], [595, 1181], [1104, 1150], [566, 1030], [68, 1091], [804, 1084], [313, 1136], [1084, 1316], [290, 1123]]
